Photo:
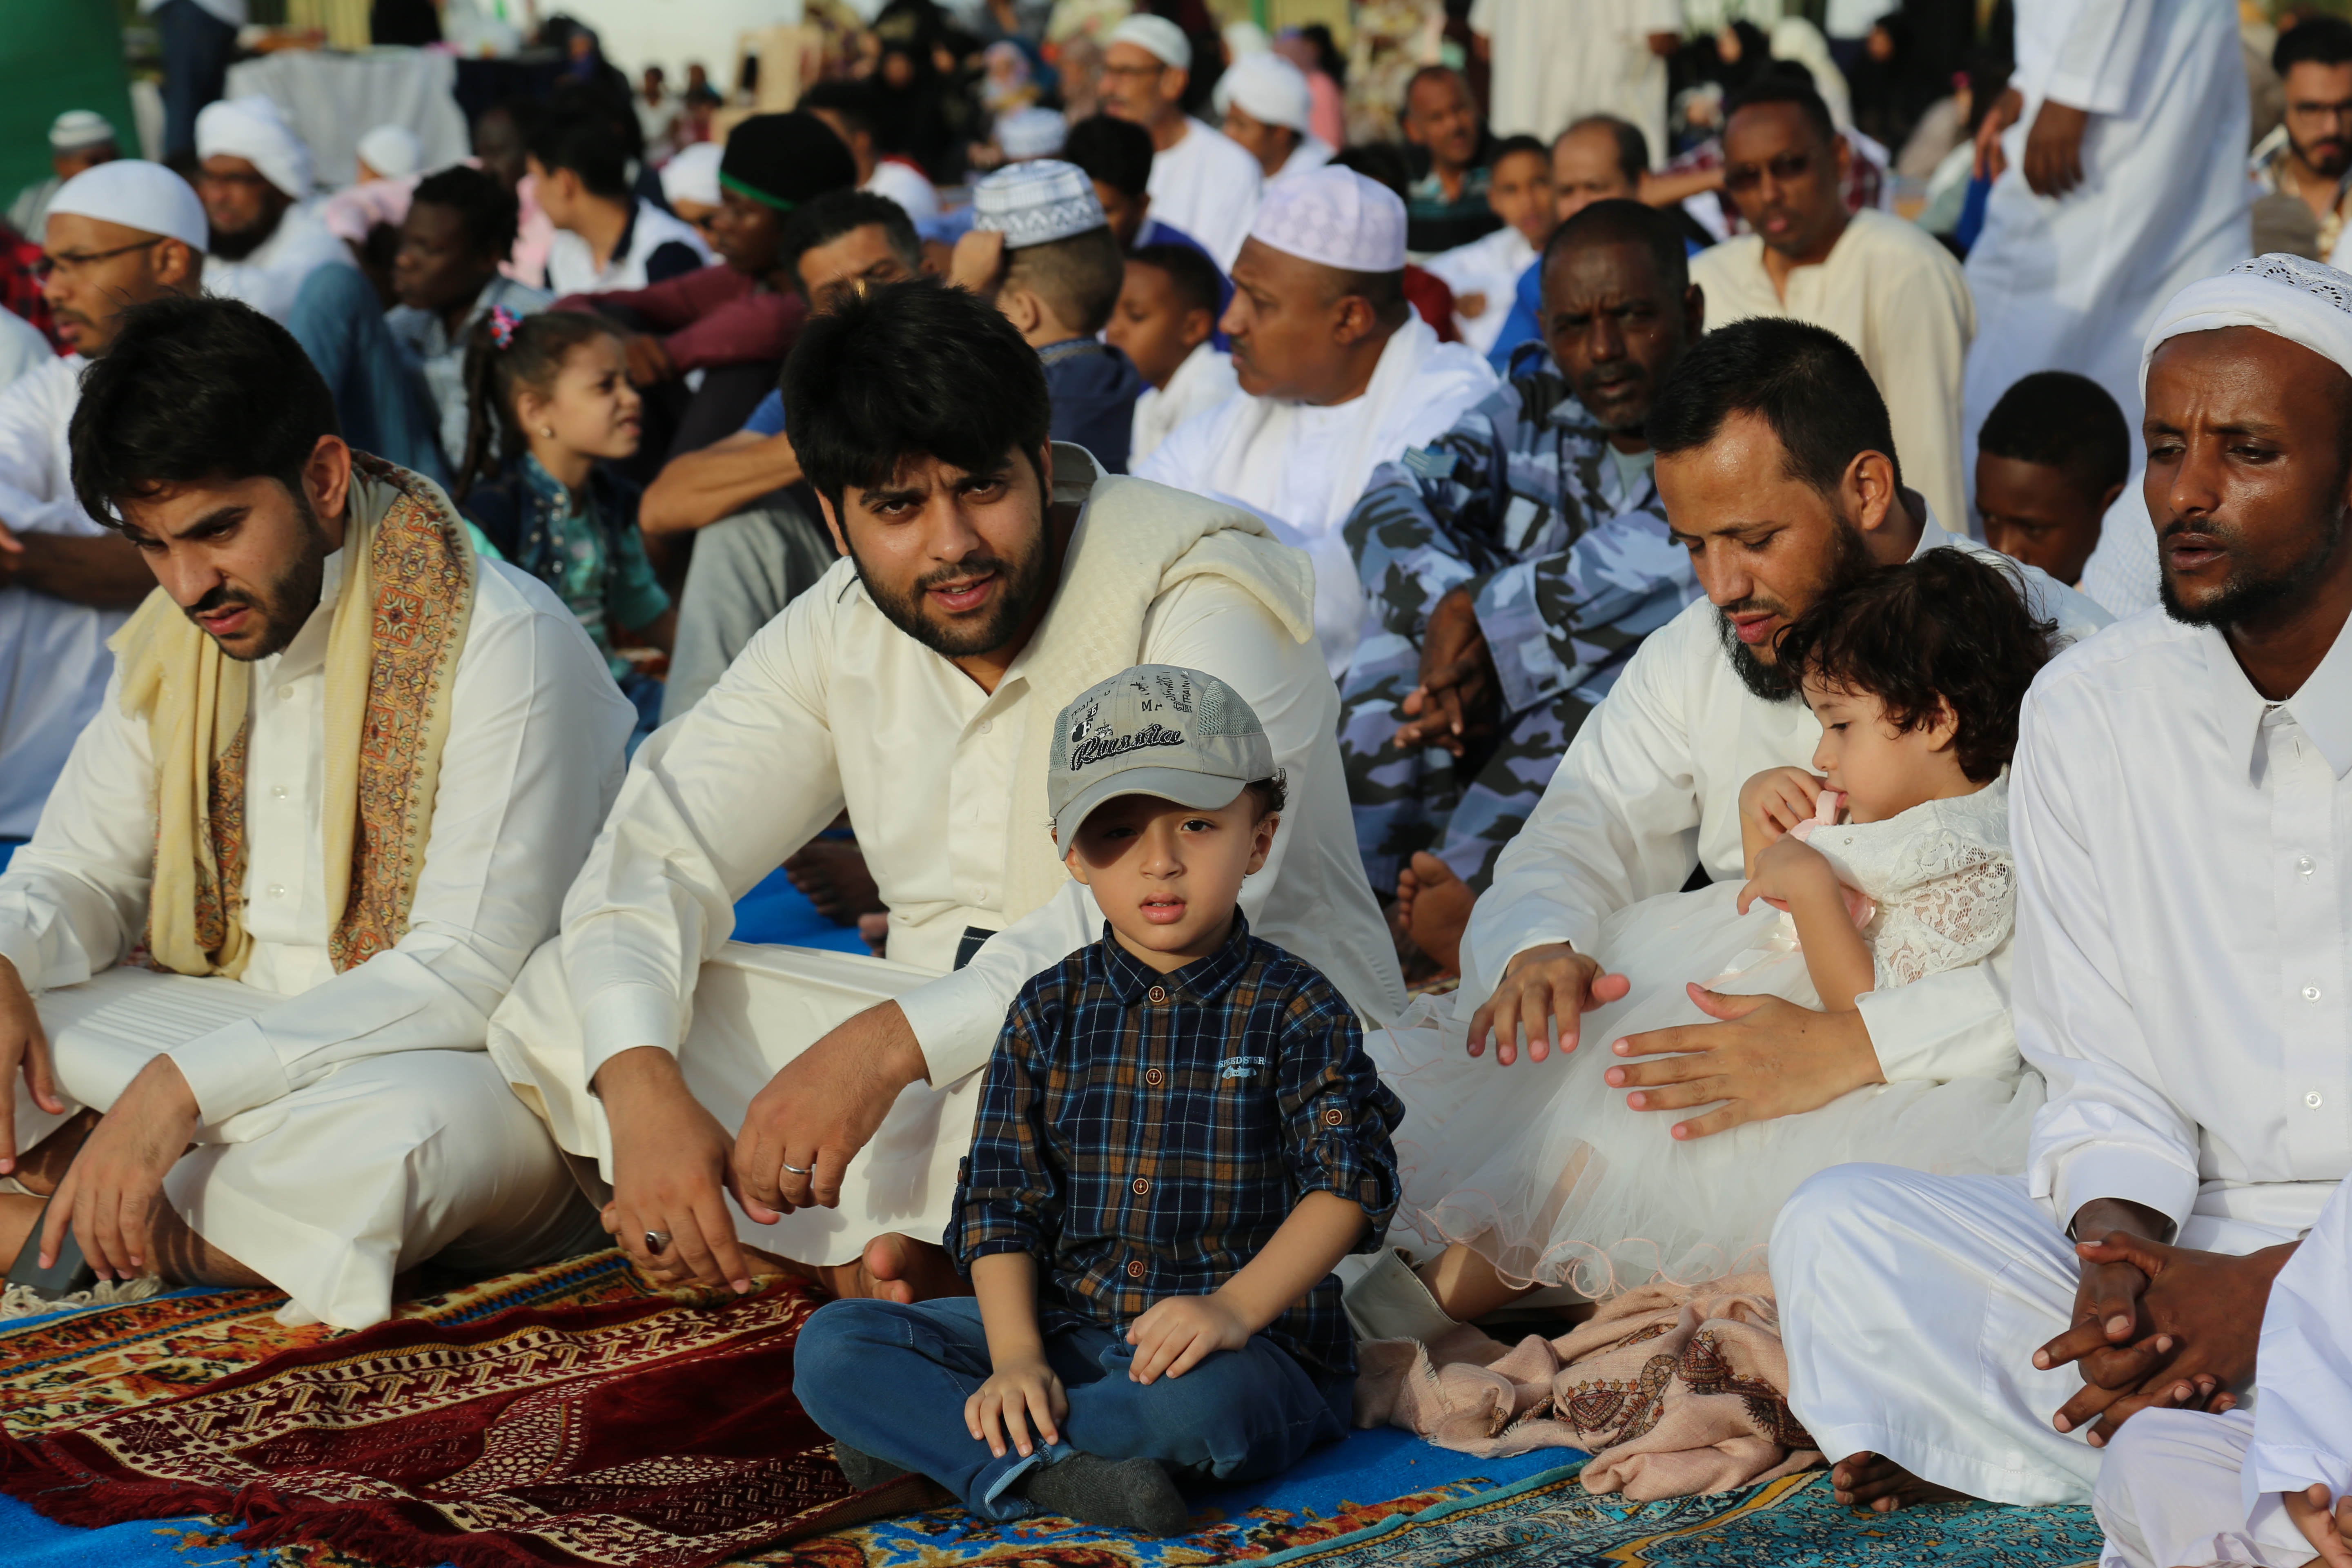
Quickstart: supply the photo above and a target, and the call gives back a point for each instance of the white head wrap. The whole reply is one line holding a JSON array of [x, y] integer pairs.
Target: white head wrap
[[693, 174], [137, 194], [393, 152], [2287, 296], [1266, 87], [252, 128], [1037, 203], [1156, 35], [1031, 133], [1243, 39], [1334, 216], [78, 128]]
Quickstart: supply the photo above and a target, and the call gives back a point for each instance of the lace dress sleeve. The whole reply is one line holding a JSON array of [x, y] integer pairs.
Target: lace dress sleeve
[[1956, 909]]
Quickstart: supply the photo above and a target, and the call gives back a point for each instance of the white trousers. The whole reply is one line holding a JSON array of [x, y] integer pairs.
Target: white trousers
[[756, 1008], [1911, 1306], [2169, 1497], [333, 1190]]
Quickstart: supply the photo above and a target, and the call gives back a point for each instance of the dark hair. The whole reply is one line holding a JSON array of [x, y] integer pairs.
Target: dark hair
[[1511, 145], [485, 208], [1382, 163], [1427, 73], [1803, 381], [2067, 421], [1192, 275], [194, 387], [2315, 40], [1945, 626], [1622, 221], [532, 357], [1328, 57], [1079, 277], [1632, 147], [1116, 151], [906, 371], [1798, 92], [584, 140], [825, 218], [853, 101], [1271, 793]]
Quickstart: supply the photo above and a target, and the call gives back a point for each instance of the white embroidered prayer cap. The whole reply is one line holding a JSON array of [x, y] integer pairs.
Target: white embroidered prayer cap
[[1037, 203], [393, 152], [253, 129], [137, 194], [1159, 730], [1031, 133], [1268, 88], [1334, 216], [1157, 35], [693, 174], [78, 128], [2302, 301]]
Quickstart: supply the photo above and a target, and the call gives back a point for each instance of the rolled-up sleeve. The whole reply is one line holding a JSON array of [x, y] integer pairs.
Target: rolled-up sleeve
[[1337, 1112]]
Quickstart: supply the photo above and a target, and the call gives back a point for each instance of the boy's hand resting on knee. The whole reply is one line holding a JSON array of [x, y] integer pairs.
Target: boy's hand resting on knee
[[1016, 1395], [1177, 1333]]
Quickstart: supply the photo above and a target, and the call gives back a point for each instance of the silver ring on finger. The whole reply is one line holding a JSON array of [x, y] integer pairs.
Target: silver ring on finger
[[657, 1242], [796, 1170]]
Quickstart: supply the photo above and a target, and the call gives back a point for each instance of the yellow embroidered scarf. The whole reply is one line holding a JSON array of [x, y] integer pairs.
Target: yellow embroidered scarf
[[392, 652]]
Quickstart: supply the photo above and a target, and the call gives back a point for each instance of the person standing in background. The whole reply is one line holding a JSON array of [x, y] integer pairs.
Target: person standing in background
[[198, 37], [1553, 63]]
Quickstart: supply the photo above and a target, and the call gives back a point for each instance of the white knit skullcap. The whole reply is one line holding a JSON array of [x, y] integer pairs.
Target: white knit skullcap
[[252, 128], [1037, 203], [137, 194], [1032, 133], [393, 152], [1159, 36], [693, 174], [2302, 301], [1266, 87], [78, 128], [1334, 216]]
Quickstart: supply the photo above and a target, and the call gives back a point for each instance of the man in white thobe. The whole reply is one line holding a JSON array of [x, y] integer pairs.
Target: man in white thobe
[[254, 173], [342, 843], [1266, 105], [125, 233], [1651, 783], [914, 685], [1554, 62], [2182, 811], [1885, 286], [1202, 182], [2122, 181], [1338, 376]]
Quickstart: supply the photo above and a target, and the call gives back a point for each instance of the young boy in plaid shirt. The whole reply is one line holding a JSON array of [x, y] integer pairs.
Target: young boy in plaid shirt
[[1179, 1136]]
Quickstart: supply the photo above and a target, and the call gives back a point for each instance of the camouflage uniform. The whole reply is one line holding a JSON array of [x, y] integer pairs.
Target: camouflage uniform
[[1522, 503]]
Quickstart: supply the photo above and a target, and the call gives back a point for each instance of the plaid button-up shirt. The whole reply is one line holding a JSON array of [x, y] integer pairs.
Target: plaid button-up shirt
[[1143, 1135]]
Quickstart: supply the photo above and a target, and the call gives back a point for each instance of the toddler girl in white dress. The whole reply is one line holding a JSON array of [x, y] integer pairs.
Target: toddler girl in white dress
[[1892, 866]]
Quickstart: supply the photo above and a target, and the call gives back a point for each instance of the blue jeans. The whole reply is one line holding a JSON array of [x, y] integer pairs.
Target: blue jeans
[[891, 1380], [197, 47]]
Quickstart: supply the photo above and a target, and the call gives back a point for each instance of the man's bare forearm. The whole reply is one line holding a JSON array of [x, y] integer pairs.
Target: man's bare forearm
[[698, 489], [103, 571]]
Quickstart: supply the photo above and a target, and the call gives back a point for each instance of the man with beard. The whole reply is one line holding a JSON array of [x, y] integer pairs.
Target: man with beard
[[2303, 165], [342, 775], [989, 577], [1533, 527], [254, 174], [1780, 477], [2183, 811], [119, 235]]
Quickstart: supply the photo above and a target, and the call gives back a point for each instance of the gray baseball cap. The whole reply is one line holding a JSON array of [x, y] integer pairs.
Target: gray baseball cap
[[1156, 730]]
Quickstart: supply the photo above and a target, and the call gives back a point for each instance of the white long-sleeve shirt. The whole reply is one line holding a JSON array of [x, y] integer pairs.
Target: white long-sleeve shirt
[[1651, 783], [2184, 927], [2302, 1404], [531, 762], [1204, 380], [1208, 186], [831, 705], [54, 663], [270, 277]]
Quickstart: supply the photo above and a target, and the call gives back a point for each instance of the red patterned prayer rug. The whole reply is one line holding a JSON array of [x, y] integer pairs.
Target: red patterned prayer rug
[[629, 1434]]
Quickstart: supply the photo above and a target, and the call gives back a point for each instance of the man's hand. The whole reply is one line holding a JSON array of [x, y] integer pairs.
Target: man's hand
[[2328, 1531], [12, 555], [111, 1191], [669, 1170], [820, 1110], [978, 265], [649, 361], [1177, 1333], [1016, 1393], [1459, 695], [1470, 307], [1545, 990], [2054, 149], [24, 1047], [1767, 1058], [1991, 161]]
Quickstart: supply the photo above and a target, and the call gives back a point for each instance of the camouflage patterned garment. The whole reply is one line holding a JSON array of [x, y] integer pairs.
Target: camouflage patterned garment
[[1571, 567]]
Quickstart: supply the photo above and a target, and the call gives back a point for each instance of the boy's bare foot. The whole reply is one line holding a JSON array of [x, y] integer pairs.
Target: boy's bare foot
[[831, 874], [1879, 1484], [1433, 905], [897, 1268]]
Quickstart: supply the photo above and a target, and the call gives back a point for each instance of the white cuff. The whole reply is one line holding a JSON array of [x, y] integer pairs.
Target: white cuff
[[957, 1019], [23, 949], [2119, 1171], [621, 1018], [231, 1069]]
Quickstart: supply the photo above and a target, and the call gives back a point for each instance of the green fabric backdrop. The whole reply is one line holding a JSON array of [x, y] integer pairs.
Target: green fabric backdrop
[[56, 54]]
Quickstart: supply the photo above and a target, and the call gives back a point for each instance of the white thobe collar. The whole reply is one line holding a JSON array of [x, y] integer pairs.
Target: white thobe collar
[[2321, 707], [308, 648]]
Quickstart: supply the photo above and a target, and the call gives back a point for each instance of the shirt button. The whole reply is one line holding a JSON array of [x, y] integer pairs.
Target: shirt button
[[2311, 993], [286, 694], [1135, 1269], [278, 790], [1156, 994], [986, 725], [2312, 1099], [1154, 1077], [2303, 864], [276, 890], [1333, 1118], [1141, 1184]]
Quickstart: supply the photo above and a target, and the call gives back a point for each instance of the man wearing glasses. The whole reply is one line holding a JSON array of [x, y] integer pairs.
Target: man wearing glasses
[[119, 235], [1203, 181], [1886, 287], [2305, 164]]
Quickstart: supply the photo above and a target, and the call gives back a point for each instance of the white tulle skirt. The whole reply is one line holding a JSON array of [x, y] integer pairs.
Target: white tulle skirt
[[1542, 1168]]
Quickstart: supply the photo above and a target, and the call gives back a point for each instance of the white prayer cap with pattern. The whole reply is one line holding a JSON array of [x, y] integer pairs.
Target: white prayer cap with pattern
[[2302, 301], [78, 128], [393, 152], [137, 194], [693, 174], [251, 128], [1037, 203], [1266, 87], [1334, 216], [1157, 35], [1032, 133]]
